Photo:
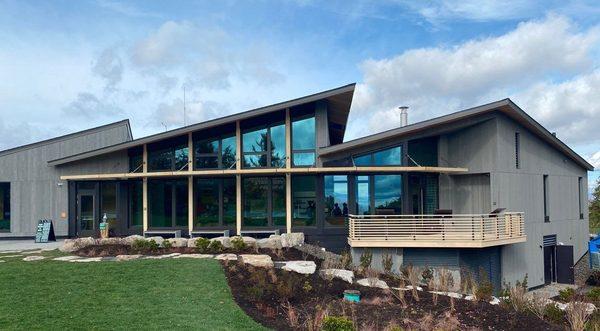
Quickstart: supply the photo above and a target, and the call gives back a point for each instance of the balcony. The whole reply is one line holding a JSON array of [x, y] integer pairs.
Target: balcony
[[450, 231]]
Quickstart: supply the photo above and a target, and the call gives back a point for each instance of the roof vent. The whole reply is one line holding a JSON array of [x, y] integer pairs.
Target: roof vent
[[403, 115], [554, 134]]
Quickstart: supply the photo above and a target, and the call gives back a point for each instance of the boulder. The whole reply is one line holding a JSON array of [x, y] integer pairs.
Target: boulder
[[226, 257], [257, 260], [33, 258], [178, 242], [194, 256], [129, 240], [66, 258], [301, 267], [164, 256], [158, 239], [345, 275], [128, 257], [273, 242], [88, 259], [249, 241], [72, 245], [373, 282], [292, 239], [110, 241], [225, 241]]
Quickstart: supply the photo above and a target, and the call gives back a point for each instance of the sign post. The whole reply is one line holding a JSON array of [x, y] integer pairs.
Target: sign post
[[44, 231]]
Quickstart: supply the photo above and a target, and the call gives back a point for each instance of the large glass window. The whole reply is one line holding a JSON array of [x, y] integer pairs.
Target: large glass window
[[171, 155], [228, 152], [304, 200], [336, 200], [303, 142], [215, 153], [387, 192], [136, 159], [4, 206], [255, 147], [264, 201], [168, 201], [278, 146], [363, 195], [108, 203], [136, 203], [214, 202], [386, 157], [423, 152]]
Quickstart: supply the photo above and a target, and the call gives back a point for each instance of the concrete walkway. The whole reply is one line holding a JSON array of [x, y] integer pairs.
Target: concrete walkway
[[24, 245]]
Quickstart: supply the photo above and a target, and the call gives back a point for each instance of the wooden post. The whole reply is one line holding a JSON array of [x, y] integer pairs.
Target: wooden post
[[190, 184], [288, 177], [238, 179], [145, 189]]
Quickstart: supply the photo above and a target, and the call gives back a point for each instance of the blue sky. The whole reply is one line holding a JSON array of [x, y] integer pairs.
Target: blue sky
[[71, 65]]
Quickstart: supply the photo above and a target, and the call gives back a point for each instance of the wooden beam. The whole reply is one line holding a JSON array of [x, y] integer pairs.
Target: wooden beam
[[288, 176], [190, 204], [238, 204], [288, 139]]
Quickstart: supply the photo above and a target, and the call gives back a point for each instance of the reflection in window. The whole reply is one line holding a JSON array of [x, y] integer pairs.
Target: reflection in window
[[135, 203], [387, 192], [169, 155], [363, 196], [278, 201], [215, 153], [108, 204], [4, 206], [136, 160], [386, 157], [229, 201], [168, 201], [208, 202], [228, 150], [278, 146], [264, 201], [336, 200], [303, 142], [304, 200], [255, 147]]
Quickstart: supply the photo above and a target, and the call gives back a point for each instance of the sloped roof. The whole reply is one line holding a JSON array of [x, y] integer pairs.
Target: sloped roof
[[339, 101], [506, 106]]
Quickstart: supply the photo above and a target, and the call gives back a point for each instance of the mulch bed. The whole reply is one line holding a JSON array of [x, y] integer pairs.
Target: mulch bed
[[377, 309]]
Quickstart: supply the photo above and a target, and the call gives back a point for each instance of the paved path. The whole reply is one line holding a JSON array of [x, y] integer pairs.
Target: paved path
[[23, 245]]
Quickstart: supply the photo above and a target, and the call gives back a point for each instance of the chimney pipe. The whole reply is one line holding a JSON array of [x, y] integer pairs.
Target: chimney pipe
[[403, 115]]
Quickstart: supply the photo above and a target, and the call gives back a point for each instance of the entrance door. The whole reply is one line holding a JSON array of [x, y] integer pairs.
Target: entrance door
[[87, 220], [549, 267], [564, 265]]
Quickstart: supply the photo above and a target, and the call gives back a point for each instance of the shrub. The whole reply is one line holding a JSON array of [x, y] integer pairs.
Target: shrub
[[594, 278], [334, 323], [167, 244], [215, 246], [238, 244], [427, 275], [577, 314], [567, 294], [537, 304], [594, 295], [387, 262], [142, 245], [346, 260], [554, 314], [365, 259], [484, 290], [307, 287], [202, 244]]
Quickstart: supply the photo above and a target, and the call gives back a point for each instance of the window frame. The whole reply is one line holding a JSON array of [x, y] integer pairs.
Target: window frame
[[171, 147], [269, 206], [580, 196], [218, 154], [173, 183], [268, 153], [517, 150], [312, 151], [372, 153], [6, 197], [220, 203], [546, 197]]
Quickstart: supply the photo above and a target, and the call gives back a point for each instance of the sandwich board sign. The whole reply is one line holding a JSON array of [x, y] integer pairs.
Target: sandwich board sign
[[44, 232]]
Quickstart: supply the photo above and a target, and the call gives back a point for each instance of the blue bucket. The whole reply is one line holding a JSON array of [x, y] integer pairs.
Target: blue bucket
[[352, 295]]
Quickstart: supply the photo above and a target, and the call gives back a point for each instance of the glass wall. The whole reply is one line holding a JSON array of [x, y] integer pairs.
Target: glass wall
[[336, 200], [278, 146], [304, 199], [168, 203], [170, 155], [423, 193], [215, 153], [363, 195], [264, 201], [136, 159], [303, 142], [136, 203], [379, 194], [264, 147], [108, 203], [423, 152], [4, 206], [214, 200], [386, 157]]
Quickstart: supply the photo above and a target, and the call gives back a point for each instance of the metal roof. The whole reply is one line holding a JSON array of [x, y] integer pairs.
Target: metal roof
[[339, 101], [506, 106]]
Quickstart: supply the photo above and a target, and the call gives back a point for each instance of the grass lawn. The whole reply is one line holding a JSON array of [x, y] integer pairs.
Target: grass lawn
[[143, 294]]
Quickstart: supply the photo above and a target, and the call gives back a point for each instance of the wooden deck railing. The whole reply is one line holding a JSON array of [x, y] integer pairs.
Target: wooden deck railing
[[478, 230]]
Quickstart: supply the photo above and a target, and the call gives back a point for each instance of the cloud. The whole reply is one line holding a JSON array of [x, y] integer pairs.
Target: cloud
[[171, 114], [110, 67], [595, 160], [87, 105], [125, 9], [438, 80]]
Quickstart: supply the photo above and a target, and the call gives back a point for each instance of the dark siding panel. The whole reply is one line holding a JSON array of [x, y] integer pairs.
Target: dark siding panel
[[431, 257], [487, 259]]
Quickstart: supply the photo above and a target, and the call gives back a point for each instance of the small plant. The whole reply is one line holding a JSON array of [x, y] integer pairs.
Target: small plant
[[291, 314], [346, 260], [215, 246], [517, 298], [202, 244], [466, 280], [432, 287], [387, 262], [365, 260], [400, 294], [167, 244], [427, 275], [594, 295], [335, 323], [537, 304], [316, 322], [238, 244], [142, 245], [554, 314], [567, 294], [484, 289], [413, 275], [307, 287], [372, 277], [577, 315]]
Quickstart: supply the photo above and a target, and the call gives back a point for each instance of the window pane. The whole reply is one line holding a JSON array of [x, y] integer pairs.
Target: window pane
[[206, 193], [390, 156], [135, 163], [278, 202], [362, 195], [207, 147], [362, 161], [207, 162], [160, 160], [254, 161], [336, 200], [255, 141], [304, 159], [303, 134], [86, 212], [181, 202], [388, 193], [181, 158], [278, 146], [228, 150], [135, 203], [108, 204], [303, 200], [229, 203], [160, 198], [4, 206], [255, 201]]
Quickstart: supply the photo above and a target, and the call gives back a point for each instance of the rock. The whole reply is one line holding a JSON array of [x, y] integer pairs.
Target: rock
[[495, 301], [470, 297], [226, 257], [110, 241], [129, 240], [72, 245], [33, 258], [88, 259], [194, 256], [345, 275], [301, 267], [7, 256], [159, 240], [164, 256], [273, 242], [292, 239], [128, 257], [257, 260], [66, 258], [2, 261], [226, 241], [178, 242], [192, 242], [409, 287], [373, 282]]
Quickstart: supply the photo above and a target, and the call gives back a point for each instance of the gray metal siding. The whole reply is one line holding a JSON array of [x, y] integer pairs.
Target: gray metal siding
[[35, 189], [431, 257]]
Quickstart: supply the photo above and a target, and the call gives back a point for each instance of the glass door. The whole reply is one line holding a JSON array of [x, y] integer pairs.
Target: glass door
[[87, 222]]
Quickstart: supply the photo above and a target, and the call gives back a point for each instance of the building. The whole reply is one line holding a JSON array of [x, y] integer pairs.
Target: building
[[487, 187]]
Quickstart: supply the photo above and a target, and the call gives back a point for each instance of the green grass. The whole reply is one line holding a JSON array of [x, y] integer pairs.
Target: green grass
[[142, 294]]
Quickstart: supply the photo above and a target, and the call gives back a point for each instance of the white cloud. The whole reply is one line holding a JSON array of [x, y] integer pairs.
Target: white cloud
[[433, 81], [110, 67], [87, 105], [171, 114], [436, 11]]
